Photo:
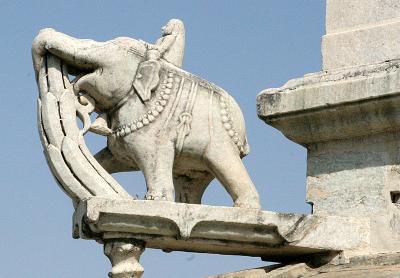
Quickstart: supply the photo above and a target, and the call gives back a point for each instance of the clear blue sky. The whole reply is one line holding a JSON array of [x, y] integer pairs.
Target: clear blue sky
[[243, 46]]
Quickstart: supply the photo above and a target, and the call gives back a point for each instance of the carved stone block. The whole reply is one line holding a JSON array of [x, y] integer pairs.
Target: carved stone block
[[221, 230]]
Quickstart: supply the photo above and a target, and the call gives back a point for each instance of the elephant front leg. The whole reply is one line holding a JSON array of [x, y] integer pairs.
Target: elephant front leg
[[157, 170]]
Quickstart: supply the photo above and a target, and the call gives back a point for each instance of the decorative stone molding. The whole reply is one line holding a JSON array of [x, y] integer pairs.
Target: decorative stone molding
[[221, 230]]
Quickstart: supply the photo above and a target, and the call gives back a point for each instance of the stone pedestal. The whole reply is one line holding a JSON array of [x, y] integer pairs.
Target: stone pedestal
[[348, 118]]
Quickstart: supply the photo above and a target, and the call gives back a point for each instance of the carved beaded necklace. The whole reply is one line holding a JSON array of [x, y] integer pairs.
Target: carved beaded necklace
[[157, 107]]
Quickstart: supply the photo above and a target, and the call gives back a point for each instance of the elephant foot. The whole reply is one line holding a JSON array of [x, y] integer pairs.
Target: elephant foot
[[248, 202], [159, 196]]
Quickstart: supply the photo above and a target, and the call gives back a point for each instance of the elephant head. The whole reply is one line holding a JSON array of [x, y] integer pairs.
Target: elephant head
[[109, 70]]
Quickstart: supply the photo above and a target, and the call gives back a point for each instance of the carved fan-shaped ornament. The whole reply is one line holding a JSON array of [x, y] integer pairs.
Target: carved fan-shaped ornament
[[77, 172]]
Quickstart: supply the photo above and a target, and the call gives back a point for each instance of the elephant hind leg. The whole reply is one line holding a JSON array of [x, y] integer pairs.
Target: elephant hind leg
[[189, 189], [111, 164], [225, 163]]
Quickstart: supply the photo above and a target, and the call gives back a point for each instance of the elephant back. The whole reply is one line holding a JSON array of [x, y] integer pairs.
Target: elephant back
[[231, 118]]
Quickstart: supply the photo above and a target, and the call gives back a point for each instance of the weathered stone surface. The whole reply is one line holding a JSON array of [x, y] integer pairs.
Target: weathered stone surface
[[124, 256], [355, 32], [369, 266], [354, 176], [342, 15], [335, 105], [362, 46], [278, 271], [301, 270], [222, 230], [348, 120]]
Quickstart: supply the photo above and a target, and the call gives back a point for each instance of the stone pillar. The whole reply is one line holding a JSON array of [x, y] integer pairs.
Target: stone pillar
[[348, 118], [124, 255]]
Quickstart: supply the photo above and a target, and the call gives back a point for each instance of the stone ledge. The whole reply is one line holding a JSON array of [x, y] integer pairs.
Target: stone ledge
[[371, 266], [223, 230], [334, 105]]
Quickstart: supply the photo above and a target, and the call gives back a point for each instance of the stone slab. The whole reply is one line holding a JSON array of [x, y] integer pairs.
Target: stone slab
[[222, 230], [366, 45], [343, 15], [360, 33]]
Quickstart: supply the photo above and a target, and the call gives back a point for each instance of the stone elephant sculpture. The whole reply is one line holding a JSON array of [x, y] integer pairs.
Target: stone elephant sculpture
[[179, 130]]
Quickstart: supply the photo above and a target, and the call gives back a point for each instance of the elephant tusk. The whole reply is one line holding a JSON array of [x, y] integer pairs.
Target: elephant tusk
[[85, 118], [100, 126]]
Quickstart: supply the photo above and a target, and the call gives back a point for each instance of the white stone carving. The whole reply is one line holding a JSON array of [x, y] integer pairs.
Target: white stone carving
[[73, 166], [180, 130]]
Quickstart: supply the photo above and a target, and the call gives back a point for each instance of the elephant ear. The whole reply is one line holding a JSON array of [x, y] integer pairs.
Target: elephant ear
[[147, 78]]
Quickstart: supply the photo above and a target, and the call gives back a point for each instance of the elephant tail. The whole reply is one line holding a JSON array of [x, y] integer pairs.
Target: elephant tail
[[245, 150], [229, 106]]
